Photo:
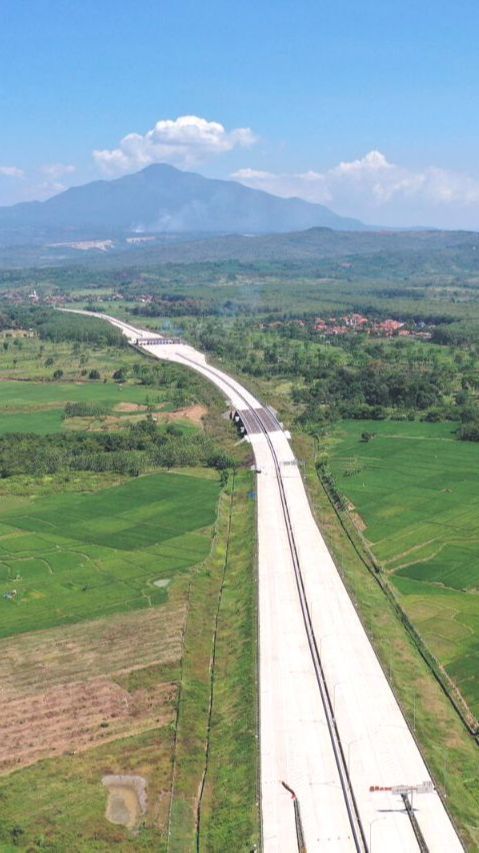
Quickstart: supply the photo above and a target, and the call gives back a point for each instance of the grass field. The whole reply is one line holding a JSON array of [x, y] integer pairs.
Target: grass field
[[75, 556], [217, 707], [28, 395], [110, 596], [39, 406], [59, 804], [31, 401], [414, 486], [91, 683]]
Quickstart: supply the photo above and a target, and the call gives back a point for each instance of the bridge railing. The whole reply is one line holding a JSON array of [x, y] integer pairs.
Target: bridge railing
[[143, 342]]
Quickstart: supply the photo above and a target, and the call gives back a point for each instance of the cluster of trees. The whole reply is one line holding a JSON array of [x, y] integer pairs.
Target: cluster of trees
[[469, 429], [353, 376], [181, 305], [184, 387], [57, 326], [139, 448], [84, 410], [423, 279], [368, 390], [456, 334]]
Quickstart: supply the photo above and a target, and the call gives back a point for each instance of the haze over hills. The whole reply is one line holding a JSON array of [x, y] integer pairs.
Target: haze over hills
[[162, 214], [312, 244], [379, 252], [160, 199]]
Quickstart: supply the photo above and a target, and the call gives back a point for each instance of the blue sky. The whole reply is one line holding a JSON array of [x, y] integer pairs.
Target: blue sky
[[369, 107]]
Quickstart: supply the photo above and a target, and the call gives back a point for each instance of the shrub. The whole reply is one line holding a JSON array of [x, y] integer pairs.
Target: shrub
[[469, 432]]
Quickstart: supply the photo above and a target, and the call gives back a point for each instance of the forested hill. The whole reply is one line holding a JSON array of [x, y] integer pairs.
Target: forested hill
[[314, 244], [387, 252]]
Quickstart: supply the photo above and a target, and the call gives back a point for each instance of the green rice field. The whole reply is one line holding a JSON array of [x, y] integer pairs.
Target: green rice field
[[76, 556], [415, 487]]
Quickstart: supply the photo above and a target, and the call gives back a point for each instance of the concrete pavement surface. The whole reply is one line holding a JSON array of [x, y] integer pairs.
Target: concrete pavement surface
[[296, 742]]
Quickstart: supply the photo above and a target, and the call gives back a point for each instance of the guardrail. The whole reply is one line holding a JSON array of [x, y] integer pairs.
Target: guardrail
[[149, 342]]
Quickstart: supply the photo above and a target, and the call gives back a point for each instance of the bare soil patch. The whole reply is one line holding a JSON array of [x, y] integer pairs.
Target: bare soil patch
[[32, 663], [129, 407], [74, 717], [195, 414], [65, 689], [127, 799], [136, 412]]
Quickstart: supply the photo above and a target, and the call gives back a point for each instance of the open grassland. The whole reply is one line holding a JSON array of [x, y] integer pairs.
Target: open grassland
[[414, 486], [77, 556], [39, 406], [32, 358], [31, 400], [59, 804], [214, 806], [448, 748], [229, 816], [27, 395]]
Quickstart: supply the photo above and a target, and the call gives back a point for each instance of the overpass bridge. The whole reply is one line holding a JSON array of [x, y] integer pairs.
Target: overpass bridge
[[154, 342]]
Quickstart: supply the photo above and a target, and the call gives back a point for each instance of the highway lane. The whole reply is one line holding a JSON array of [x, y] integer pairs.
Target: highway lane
[[296, 744]]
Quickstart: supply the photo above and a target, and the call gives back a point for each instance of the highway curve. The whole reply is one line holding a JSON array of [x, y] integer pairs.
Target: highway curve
[[330, 726]]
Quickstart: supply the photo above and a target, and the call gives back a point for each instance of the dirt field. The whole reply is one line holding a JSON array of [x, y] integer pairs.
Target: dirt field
[[135, 413], [70, 689], [130, 407], [195, 414], [78, 716]]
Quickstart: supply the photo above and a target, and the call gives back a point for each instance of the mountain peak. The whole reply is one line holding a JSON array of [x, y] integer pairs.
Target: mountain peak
[[162, 198]]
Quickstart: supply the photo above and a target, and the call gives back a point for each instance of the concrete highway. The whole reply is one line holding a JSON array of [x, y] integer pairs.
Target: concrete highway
[[330, 726]]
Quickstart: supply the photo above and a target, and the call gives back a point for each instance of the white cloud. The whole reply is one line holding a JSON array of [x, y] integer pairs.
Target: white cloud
[[46, 189], [310, 186], [371, 184], [38, 183], [184, 141], [372, 163], [12, 172], [57, 170]]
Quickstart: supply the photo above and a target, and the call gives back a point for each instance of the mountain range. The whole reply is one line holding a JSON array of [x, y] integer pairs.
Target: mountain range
[[163, 199]]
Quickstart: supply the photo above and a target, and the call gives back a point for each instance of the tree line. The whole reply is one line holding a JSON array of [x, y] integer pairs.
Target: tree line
[[133, 451], [53, 325]]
